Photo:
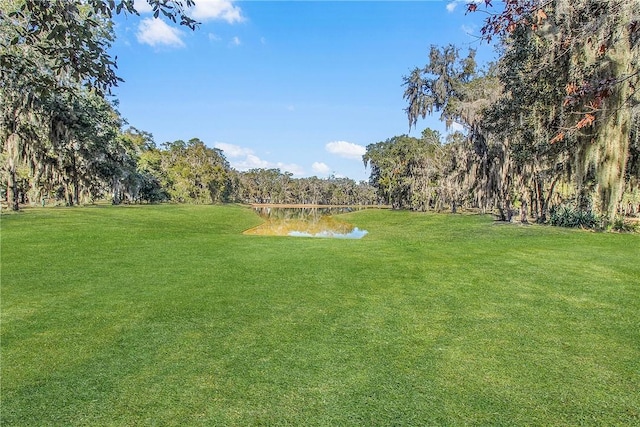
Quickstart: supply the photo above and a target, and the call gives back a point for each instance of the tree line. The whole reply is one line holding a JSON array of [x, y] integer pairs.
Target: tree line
[[61, 133], [553, 125], [131, 168]]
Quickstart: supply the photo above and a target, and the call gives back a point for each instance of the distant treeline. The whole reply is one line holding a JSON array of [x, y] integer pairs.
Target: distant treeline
[[130, 168]]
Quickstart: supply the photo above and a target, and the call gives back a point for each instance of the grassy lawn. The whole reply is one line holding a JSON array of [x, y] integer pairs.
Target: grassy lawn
[[168, 315]]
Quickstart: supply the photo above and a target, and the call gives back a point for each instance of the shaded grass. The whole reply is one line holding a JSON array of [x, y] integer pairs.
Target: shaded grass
[[168, 315]]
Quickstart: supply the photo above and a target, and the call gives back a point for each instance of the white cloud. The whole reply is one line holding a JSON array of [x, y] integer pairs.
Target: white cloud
[[231, 150], [206, 10], [295, 169], [346, 149], [142, 6], [251, 161], [243, 159], [469, 29], [451, 6], [156, 32], [320, 168]]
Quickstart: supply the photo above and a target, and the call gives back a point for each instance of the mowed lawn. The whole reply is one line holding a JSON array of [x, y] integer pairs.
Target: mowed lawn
[[169, 315]]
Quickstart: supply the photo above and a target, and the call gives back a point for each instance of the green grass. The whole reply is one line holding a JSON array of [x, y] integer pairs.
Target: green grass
[[168, 315]]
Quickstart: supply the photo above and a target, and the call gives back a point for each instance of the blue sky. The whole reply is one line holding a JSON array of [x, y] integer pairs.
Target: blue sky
[[303, 86]]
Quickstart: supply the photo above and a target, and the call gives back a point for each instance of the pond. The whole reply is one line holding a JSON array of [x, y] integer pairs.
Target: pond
[[305, 222]]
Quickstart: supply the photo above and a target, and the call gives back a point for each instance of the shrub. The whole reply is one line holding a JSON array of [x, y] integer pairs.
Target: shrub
[[624, 225], [568, 215]]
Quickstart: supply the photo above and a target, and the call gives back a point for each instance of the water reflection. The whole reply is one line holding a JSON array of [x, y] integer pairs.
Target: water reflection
[[305, 222], [356, 233]]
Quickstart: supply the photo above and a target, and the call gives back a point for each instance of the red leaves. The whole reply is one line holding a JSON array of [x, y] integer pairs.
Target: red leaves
[[591, 95], [472, 7], [586, 120], [584, 101], [571, 89], [529, 13], [595, 103], [559, 137], [602, 49]]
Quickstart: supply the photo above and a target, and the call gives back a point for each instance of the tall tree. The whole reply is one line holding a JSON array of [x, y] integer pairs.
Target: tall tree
[[194, 172], [558, 107], [405, 170], [452, 85], [49, 50], [587, 52], [455, 87], [144, 184]]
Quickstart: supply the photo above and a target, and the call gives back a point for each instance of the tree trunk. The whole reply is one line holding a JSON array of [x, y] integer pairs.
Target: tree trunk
[[523, 211], [76, 187], [12, 188], [12, 146], [501, 212], [541, 201], [544, 208]]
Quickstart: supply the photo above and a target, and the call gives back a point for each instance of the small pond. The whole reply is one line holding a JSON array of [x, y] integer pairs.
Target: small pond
[[305, 222]]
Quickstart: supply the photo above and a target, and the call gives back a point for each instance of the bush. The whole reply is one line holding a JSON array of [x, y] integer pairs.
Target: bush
[[624, 225], [567, 215]]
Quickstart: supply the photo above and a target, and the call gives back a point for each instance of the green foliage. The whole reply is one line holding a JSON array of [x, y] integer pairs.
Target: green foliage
[[55, 69], [559, 109], [169, 315], [624, 225], [274, 186], [456, 88], [89, 158], [445, 84], [568, 215], [194, 172], [73, 37], [405, 170]]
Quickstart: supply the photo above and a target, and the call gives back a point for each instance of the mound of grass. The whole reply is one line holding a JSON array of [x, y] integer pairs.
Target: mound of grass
[[169, 315]]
